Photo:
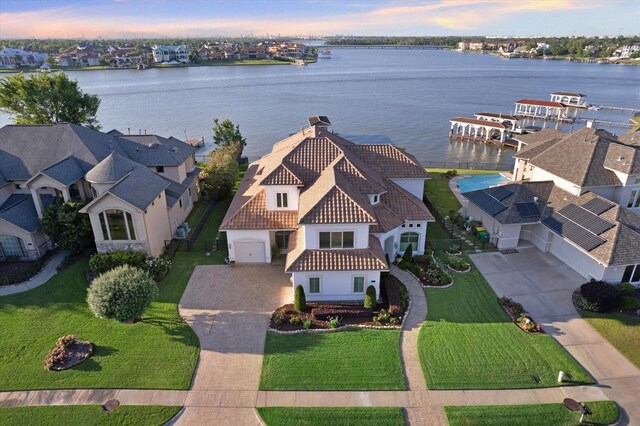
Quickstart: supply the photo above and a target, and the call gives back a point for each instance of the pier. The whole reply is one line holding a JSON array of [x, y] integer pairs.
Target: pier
[[617, 108], [387, 46]]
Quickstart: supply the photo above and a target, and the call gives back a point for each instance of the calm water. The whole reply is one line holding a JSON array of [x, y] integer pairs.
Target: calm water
[[476, 182], [406, 97]]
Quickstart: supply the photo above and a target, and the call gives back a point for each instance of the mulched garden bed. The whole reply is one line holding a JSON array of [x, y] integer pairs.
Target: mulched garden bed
[[389, 313], [519, 316], [429, 271], [68, 353]]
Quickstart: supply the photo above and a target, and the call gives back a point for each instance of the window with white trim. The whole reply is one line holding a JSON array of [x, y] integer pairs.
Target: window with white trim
[[631, 274], [358, 284], [12, 246], [282, 239], [409, 238], [336, 240], [281, 200], [117, 225], [634, 199], [314, 285]]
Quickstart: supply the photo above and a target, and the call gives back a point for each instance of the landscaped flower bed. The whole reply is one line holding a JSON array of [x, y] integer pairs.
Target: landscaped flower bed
[[453, 250], [327, 315], [69, 352], [518, 315], [457, 264], [428, 270]]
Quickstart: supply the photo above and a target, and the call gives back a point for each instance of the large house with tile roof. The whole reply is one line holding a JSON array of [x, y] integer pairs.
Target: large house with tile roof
[[335, 208], [139, 188], [576, 196]]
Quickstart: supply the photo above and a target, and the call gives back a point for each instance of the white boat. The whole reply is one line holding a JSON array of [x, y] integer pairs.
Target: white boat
[[299, 62], [324, 54]]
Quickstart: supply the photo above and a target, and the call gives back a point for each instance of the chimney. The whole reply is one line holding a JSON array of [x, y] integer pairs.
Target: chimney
[[589, 124]]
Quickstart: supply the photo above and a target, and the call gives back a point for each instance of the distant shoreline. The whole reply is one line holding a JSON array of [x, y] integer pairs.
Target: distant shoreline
[[569, 58], [242, 62]]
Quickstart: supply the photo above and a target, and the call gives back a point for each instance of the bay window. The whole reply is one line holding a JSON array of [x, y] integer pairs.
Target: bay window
[[117, 225]]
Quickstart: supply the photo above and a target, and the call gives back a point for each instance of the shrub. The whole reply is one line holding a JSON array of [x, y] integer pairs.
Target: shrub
[[278, 319], [629, 303], [393, 295], [299, 299], [603, 294], [450, 173], [370, 297], [275, 252], [67, 226], [585, 305], [457, 263], [333, 322], [121, 293], [295, 320], [102, 262], [306, 324], [383, 317], [627, 289], [158, 267], [407, 257]]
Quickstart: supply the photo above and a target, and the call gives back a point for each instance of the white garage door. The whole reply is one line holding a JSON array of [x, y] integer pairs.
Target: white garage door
[[250, 252]]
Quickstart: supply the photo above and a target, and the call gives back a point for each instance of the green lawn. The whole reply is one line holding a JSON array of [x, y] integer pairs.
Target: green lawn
[[87, 415], [345, 360], [438, 192], [210, 229], [325, 416], [468, 342], [622, 332], [604, 413]]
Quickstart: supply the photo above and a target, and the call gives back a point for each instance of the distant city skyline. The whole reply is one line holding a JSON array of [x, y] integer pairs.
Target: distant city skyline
[[199, 18]]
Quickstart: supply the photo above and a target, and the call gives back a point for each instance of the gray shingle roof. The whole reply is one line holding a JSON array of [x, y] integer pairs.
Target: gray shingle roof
[[111, 169], [140, 187], [20, 211], [153, 150], [66, 171]]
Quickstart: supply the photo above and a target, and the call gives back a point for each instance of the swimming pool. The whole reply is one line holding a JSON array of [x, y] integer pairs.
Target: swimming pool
[[476, 182]]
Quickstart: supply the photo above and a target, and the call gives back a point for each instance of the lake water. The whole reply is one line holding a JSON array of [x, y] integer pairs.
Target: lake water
[[400, 96]]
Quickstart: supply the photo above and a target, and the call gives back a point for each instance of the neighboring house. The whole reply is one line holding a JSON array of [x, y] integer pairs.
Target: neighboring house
[[11, 58], [335, 207], [81, 56], [140, 188], [576, 196], [125, 61], [170, 54]]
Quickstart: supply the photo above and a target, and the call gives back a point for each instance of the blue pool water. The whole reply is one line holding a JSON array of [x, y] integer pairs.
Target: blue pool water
[[474, 183]]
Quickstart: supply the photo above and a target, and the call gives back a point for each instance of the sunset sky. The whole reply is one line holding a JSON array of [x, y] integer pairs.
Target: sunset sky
[[201, 18]]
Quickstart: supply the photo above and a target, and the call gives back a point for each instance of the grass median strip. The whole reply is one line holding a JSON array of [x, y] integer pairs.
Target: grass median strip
[[343, 360], [622, 332], [468, 342], [330, 416], [87, 415], [604, 413]]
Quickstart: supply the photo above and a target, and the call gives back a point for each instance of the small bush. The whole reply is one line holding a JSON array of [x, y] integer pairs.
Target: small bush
[[627, 289], [383, 317], [450, 173], [121, 293], [370, 297], [102, 262], [158, 267], [306, 324], [407, 257], [457, 263], [333, 322], [585, 305], [278, 319], [299, 299], [603, 294], [629, 303], [295, 320]]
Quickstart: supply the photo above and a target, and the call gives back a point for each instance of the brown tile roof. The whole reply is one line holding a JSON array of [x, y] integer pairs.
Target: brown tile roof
[[494, 115], [371, 258], [389, 161], [282, 176], [486, 123], [254, 215], [540, 103]]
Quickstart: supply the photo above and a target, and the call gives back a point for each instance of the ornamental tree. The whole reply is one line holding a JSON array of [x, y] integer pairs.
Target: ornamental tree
[[67, 226]]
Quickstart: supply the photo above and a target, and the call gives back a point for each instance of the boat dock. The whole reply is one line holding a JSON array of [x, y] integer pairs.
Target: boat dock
[[617, 108], [386, 46]]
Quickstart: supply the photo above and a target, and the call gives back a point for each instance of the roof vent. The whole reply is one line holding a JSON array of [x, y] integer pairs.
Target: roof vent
[[152, 146], [173, 149], [535, 199], [620, 158]]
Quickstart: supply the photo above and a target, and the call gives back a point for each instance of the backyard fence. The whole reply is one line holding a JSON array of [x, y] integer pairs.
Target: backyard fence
[[193, 242]]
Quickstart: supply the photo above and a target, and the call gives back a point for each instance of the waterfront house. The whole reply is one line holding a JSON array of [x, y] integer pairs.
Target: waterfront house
[[576, 196], [139, 188], [170, 54], [335, 208], [11, 58]]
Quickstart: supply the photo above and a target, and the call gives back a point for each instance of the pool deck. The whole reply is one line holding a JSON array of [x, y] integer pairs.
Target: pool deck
[[453, 185]]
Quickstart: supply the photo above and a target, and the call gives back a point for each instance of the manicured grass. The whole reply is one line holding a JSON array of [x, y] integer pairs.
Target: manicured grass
[[211, 226], [330, 416], [468, 342], [435, 231], [438, 192], [196, 213], [604, 413], [621, 331], [87, 415], [160, 352], [344, 360]]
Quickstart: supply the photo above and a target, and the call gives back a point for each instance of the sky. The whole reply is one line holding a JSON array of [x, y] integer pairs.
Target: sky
[[202, 18]]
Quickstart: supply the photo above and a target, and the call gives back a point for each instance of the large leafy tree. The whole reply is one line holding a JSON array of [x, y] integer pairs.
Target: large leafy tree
[[228, 134], [47, 99], [220, 173], [67, 226]]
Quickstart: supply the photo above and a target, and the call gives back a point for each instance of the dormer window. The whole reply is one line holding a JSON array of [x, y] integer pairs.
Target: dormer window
[[160, 169], [375, 199], [336, 240], [281, 200]]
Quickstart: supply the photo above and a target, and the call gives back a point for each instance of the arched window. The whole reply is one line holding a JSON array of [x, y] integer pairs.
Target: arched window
[[117, 225], [409, 238], [12, 246]]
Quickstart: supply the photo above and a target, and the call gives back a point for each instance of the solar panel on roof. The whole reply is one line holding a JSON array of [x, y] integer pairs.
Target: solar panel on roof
[[586, 219], [528, 209], [597, 206], [486, 202], [572, 231], [500, 193]]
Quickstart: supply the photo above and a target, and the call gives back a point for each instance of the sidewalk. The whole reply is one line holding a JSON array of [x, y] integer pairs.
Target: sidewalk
[[38, 279]]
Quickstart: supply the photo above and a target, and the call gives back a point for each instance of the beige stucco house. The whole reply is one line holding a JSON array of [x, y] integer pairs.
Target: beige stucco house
[[139, 188], [335, 208]]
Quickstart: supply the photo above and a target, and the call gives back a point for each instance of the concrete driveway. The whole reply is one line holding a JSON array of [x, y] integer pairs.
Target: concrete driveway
[[544, 286], [229, 309]]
